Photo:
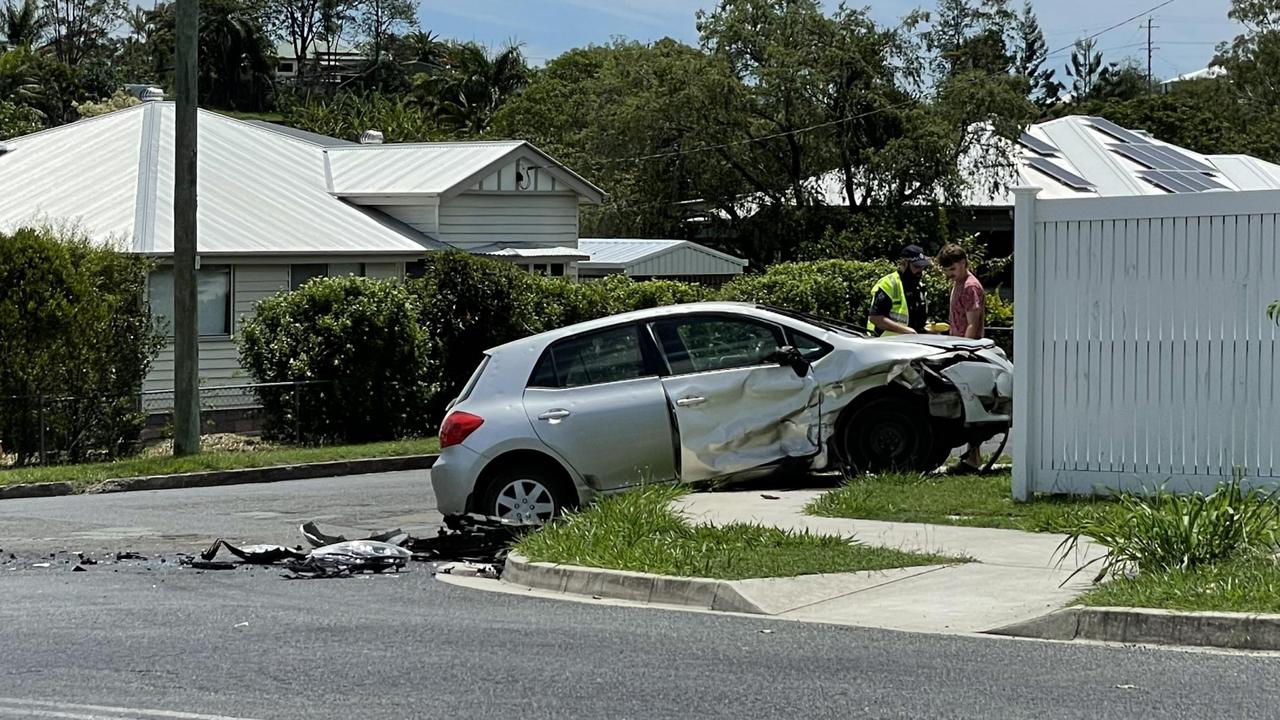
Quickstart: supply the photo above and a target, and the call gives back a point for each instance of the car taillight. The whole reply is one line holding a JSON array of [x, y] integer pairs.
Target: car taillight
[[457, 427]]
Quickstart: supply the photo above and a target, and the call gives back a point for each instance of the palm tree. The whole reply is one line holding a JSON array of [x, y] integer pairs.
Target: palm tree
[[473, 85], [24, 24]]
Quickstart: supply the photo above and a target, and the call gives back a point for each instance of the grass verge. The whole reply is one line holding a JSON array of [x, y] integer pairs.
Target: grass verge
[[1250, 584], [970, 500], [639, 531], [82, 476]]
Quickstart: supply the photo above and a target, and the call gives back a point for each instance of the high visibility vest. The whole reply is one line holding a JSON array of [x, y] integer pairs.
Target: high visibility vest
[[891, 284]]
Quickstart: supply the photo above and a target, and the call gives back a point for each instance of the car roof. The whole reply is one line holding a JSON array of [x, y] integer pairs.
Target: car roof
[[546, 338]]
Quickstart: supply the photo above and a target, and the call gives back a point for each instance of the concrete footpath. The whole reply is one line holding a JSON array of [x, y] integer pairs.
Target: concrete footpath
[[1015, 578]]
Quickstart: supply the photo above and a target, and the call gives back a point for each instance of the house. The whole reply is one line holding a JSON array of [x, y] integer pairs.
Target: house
[[1210, 73], [657, 260], [336, 61], [276, 209]]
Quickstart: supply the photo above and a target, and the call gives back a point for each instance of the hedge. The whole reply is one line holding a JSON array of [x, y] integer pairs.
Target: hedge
[[76, 341]]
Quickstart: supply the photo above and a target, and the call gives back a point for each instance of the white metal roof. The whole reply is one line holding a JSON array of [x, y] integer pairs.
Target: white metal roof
[[531, 253], [1082, 149], [427, 169], [261, 191], [618, 253]]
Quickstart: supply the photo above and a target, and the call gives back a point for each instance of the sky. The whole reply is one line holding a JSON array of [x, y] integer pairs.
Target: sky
[[1185, 33]]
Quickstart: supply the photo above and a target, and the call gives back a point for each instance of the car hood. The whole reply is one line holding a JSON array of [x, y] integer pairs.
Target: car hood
[[942, 342]]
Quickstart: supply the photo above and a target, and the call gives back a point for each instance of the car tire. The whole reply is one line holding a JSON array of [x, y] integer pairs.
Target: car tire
[[527, 494], [889, 433]]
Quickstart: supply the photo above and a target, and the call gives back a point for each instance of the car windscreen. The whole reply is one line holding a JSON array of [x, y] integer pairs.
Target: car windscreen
[[826, 323]]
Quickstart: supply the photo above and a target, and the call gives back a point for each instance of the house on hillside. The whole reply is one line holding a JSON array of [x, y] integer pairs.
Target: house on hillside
[[276, 208], [336, 61]]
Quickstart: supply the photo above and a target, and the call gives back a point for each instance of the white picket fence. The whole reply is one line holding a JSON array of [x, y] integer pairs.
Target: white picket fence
[[1143, 351]]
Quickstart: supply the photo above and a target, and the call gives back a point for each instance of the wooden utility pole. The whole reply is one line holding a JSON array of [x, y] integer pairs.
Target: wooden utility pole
[[186, 351], [1151, 80]]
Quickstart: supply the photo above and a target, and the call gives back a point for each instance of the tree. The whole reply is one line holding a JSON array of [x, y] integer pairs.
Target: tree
[[24, 23], [378, 21], [970, 35], [235, 54], [299, 22], [80, 28], [472, 84], [1029, 57], [1252, 59], [18, 120], [1085, 69], [1125, 81]]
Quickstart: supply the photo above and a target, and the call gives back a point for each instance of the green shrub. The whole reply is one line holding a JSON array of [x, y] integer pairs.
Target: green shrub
[[17, 120], [834, 288], [1179, 532], [466, 305], [78, 335], [362, 339]]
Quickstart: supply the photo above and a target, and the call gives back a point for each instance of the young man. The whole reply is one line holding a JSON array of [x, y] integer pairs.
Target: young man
[[968, 301], [897, 299], [968, 304]]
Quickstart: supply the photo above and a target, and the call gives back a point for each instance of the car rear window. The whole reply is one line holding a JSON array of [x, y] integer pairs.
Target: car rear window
[[471, 382], [600, 357]]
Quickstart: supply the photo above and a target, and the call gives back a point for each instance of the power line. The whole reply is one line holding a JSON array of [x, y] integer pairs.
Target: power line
[[797, 131], [1108, 29]]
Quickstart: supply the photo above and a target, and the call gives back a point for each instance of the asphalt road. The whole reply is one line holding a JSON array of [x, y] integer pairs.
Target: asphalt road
[[248, 644]]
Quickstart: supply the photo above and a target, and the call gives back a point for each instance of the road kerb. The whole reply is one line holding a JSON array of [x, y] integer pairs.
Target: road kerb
[[702, 593], [1149, 626], [214, 478]]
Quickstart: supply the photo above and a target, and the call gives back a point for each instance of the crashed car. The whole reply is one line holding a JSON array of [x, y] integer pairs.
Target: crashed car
[[707, 391]]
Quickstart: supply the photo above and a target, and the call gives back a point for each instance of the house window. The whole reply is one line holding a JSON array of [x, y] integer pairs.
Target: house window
[[300, 274], [286, 67], [557, 269], [213, 300]]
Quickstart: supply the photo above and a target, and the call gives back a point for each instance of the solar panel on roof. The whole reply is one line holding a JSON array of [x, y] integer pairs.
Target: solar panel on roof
[[1178, 161], [1138, 154], [1066, 177], [1181, 182], [1117, 132], [1036, 145]]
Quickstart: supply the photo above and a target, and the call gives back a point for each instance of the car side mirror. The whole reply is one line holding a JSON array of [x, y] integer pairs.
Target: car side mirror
[[790, 357]]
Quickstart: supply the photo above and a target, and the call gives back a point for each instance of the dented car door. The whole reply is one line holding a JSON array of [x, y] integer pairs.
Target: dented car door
[[735, 407]]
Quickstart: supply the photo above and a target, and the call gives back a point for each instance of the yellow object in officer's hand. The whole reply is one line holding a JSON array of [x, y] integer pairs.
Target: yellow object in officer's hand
[[940, 328]]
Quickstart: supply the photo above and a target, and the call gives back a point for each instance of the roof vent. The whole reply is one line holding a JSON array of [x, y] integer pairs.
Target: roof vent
[[371, 137], [152, 94]]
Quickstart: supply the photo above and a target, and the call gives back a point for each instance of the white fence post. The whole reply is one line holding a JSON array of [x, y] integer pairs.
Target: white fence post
[[1026, 332]]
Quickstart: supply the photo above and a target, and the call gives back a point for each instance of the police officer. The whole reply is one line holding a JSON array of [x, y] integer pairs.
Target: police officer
[[897, 299]]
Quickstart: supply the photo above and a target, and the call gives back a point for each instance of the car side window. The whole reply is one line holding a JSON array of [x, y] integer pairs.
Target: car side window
[[700, 344], [811, 349], [599, 357]]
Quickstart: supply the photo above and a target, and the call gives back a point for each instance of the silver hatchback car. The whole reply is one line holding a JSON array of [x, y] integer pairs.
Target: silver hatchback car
[[706, 391]]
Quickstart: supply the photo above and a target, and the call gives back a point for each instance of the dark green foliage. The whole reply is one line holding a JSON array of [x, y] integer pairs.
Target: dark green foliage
[[834, 288], [362, 339], [78, 339]]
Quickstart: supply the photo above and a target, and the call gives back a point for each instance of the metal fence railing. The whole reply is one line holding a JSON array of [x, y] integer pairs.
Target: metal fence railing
[[56, 428]]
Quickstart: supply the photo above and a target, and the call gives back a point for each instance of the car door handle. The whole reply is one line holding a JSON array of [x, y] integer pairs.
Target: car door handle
[[690, 401], [554, 415]]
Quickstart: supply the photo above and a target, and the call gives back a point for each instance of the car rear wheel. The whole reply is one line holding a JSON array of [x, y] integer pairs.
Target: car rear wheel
[[889, 433], [528, 494]]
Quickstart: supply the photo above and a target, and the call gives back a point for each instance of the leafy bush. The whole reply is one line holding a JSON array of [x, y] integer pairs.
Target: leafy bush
[[17, 120], [347, 115], [834, 288], [1179, 532], [466, 305], [78, 340], [360, 337]]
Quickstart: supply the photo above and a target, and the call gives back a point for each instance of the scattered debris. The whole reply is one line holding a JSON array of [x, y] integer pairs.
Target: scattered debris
[[129, 555], [78, 568], [243, 624], [767, 496], [254, 554], [42, 565], [319, 539], [766, 632], [198, 564], [486, 571], [1126, 687], [470, 538]]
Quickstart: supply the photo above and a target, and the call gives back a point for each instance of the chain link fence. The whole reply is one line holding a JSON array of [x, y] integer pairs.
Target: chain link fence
[[51, 429]]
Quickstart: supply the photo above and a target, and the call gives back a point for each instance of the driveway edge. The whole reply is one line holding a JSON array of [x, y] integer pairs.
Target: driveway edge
[[214, 478], [704, 593], [1149, 626]]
